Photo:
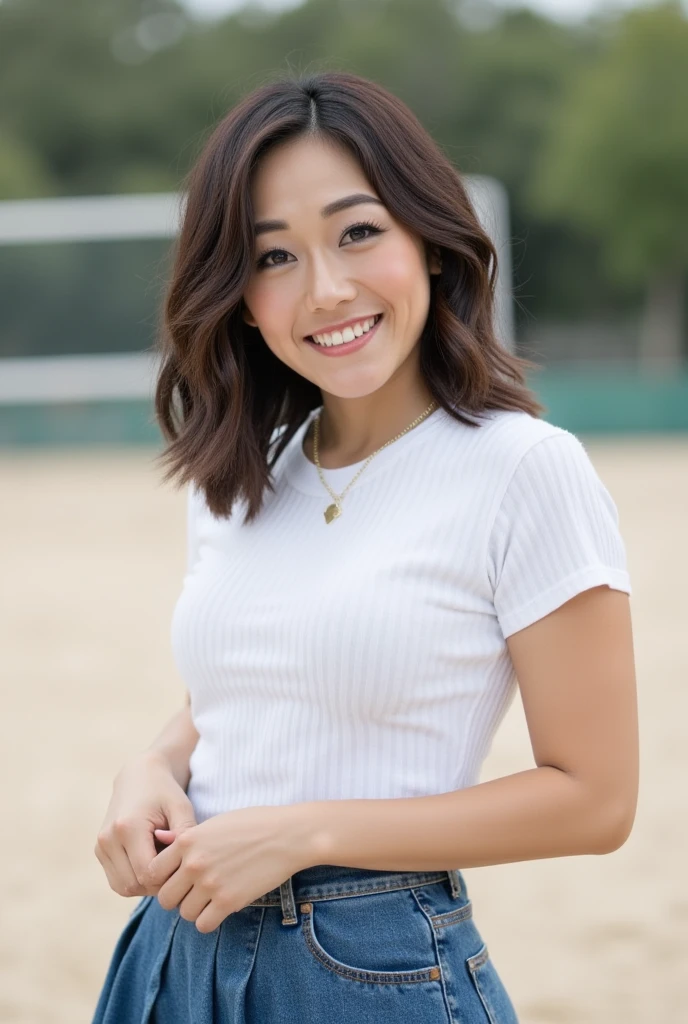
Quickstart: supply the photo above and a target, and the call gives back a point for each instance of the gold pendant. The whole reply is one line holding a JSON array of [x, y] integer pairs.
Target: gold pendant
[[332, 512]]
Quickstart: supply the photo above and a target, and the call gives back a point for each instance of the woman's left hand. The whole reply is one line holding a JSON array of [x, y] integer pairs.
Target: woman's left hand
[[218, 867]]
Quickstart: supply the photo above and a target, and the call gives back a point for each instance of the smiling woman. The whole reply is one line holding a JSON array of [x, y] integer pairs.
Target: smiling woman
[[384, 541], [332, 276], [315, 204]]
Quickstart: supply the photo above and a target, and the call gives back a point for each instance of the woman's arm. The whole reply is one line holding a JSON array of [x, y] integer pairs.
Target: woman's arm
[[175, 744], [576, 673]]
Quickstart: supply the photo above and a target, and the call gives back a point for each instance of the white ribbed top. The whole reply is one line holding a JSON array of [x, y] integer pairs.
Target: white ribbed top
[[367, 658]]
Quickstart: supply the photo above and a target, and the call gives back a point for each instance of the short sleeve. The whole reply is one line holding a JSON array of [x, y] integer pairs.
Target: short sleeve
[[556, 534]]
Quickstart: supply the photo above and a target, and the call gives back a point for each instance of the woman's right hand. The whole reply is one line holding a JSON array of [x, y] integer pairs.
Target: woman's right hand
[[145, 796]]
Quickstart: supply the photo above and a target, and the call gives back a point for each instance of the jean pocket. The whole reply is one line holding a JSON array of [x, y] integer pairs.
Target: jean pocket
[[441, 907], [378, 938], [492, 993]]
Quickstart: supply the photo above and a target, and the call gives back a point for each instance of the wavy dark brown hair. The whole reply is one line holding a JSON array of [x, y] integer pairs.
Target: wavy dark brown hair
[[221, 393]]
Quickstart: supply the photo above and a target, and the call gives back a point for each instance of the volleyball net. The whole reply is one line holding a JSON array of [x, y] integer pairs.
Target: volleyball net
[[81, 280]]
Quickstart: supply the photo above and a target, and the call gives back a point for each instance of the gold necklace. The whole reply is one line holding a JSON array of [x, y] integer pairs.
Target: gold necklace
[[334, 510]]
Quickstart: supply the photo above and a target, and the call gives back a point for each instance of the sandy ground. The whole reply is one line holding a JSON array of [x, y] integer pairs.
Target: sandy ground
[[92, 551]]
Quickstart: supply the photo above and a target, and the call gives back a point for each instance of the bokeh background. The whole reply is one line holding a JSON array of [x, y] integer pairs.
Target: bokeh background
[[572, 115]]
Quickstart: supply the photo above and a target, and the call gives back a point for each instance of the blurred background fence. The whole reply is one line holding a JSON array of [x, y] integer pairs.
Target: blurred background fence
[[80, 303]]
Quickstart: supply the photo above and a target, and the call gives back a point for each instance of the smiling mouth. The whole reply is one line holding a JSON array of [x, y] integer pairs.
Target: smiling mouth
[[347, 336]]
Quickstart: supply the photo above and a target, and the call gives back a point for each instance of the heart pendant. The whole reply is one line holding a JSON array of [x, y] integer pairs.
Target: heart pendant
[[332, 512]]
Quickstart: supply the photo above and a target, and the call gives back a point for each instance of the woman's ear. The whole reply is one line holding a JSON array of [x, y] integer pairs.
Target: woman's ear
[[246, 313], [434, 260]]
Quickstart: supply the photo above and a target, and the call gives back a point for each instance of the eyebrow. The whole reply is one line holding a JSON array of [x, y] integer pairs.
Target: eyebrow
[[327, 211]]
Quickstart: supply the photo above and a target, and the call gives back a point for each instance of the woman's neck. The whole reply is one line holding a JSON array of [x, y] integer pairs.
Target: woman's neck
[[352, 429]]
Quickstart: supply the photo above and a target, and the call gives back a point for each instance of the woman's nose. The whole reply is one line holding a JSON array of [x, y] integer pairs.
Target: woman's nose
[[328, 284]]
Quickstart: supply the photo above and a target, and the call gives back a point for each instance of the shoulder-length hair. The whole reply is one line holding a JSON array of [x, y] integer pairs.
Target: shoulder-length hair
[[221, 394]]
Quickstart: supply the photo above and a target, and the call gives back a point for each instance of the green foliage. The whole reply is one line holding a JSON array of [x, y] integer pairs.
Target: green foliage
[[615, 163], [488, 97], [81, 93], [22, 174]]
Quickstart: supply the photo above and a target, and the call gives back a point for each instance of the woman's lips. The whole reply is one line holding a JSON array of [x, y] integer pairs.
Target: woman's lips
[[348, 346]]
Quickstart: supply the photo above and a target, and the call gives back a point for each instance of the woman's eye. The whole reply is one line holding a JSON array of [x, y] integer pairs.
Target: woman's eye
[[374, 229], [262, 260], [352, 233]]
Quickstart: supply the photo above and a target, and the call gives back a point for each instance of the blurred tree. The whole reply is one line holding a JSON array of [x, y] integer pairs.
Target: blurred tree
[[514, 72], [22, 174], [82, 86], [616, 163]]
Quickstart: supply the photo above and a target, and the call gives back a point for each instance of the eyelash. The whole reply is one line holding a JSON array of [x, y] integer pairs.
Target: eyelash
[[376, 229]]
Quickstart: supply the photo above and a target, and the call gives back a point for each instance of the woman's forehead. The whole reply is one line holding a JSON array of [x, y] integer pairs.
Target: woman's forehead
[[305, 172]]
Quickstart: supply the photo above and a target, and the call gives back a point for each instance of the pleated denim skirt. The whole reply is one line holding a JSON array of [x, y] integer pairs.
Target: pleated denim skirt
[[331, 944]]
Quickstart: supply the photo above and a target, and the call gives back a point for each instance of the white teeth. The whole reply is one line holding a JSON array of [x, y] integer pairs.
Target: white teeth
[[348, 334]]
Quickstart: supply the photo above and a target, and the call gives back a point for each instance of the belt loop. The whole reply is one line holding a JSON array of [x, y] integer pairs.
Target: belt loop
[[455, 882], [288, 904]]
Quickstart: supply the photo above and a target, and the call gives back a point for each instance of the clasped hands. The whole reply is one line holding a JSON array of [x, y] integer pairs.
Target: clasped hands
[[216, 868]]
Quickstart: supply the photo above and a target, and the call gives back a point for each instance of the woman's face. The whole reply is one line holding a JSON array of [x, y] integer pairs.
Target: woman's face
[[318, 270]]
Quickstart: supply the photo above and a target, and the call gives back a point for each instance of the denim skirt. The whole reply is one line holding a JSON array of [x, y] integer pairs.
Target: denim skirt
[[329, 944]]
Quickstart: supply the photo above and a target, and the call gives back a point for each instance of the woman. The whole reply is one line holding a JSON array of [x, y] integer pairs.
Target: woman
[[384, 538]]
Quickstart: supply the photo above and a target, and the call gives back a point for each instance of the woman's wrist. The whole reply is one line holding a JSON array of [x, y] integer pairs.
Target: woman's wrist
[[173, 747], [174, 762], [147, 759], [156, 757]]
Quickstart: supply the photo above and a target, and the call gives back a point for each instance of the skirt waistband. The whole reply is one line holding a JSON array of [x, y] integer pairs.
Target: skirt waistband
[[331, 881]]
